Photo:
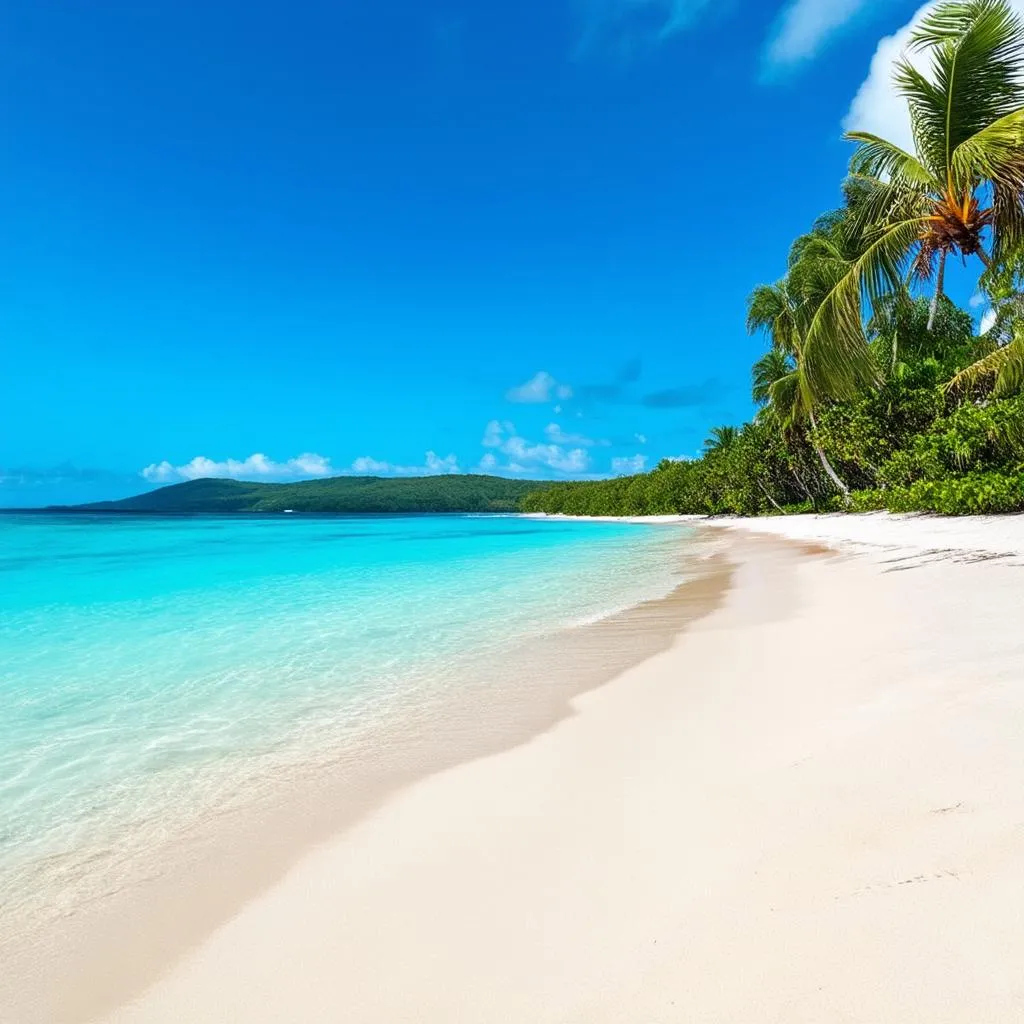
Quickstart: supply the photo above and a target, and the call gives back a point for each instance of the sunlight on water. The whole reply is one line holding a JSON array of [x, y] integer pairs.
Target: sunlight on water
[[153, 664]]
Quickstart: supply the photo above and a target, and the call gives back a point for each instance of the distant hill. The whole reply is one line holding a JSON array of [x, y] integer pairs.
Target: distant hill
[[345, 494]]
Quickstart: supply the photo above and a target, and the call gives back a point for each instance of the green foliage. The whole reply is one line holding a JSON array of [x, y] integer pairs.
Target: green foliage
[[453, 493], [721, 438], [915, 354], [905, 445], [991, 493], [970, 439], [758, 472]]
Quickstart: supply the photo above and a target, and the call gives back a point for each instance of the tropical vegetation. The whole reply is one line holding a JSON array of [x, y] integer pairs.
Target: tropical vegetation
[[875, 391]]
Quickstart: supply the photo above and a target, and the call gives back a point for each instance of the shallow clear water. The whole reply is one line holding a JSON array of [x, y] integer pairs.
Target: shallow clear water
[[150, 663]]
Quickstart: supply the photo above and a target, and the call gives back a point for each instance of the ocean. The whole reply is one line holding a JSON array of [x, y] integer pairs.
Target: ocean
[[154, 671]]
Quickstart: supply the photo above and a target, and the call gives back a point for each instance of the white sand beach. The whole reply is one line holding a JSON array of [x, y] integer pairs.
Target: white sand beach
[[809, 809]]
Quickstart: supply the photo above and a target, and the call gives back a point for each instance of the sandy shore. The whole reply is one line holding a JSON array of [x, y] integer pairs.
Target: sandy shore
[[900, 535], [810, 808]]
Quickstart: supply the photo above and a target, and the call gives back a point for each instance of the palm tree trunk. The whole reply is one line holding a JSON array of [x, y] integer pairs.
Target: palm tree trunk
[[803, 487], [940, 278], [985, 258], [832, 474], [768, 496], [827, 466]]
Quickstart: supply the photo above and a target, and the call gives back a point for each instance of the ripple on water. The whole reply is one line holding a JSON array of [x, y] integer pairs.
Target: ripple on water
[[159, 671]]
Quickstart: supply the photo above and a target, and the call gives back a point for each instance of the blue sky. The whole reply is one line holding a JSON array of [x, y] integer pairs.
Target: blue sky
[[278, 240]]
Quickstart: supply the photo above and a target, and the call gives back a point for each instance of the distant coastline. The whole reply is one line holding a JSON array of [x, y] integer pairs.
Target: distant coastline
[[450, 493]]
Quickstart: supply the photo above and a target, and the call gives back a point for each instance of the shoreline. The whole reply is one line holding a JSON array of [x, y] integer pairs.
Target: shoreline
[[806, 808], [83, 965], [862, 532]]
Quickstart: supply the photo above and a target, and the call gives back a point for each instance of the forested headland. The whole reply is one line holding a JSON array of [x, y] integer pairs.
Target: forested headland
[[875, 391], [338, 495]]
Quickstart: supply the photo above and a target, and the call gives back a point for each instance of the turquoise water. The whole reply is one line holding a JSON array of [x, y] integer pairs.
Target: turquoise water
[[152, 665]]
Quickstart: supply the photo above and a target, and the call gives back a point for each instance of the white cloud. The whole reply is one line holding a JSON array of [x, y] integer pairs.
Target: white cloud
[[528, 457], [433, 465], [640, 438], [489, 462], [554, 433], [980, 302], [525, 453], [365, 466], [159, 473], [494, 431], [306, 466], [805, 26], [629, 464], [255, 467], [877, 107], [540, 388]]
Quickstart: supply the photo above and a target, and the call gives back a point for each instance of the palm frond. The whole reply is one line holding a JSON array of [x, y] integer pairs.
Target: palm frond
[[827, 223], [873, 202], [771, 311], [878, 158], [992, 373], [787, 397], [995, 153], [927, 115], [721, 438], [836, 357], [1010, 379], [976, 48], [820, 258], [771, 367], [1008, 223]]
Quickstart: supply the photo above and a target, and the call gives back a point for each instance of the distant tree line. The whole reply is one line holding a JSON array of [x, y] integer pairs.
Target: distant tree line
[[338, 495]]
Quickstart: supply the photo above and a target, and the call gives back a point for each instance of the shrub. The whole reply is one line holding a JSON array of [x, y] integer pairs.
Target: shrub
[[974, 494]]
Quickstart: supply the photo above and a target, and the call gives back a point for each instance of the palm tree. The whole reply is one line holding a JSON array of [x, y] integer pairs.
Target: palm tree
[[962, 188], [779, 311], [775, 388], [772, 367], [776, 311], [1001, 371], [774, 308], [721, 439]]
